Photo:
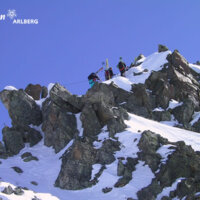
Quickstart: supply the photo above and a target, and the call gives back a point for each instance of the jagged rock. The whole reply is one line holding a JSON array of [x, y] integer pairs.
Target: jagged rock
[[161, 88], [99, 93], [179, 62], [18, 191], [2, 151], [59, 126], [140, 57], [15, 137], [30, 158], [162, 48], [116, 124], [120, 168], [120, 95], [8, 190], [105, 153], [139, 101], [90, 121], [161, 116], [31, 136], [149, 144], [64, 99], [18, 170], [34, 91], [196, 126], [13, 140], [21, 107], [35, 198], [44, 92], [76, 166], [183, 162], [25, 155], [106, 190], [34, 183], [184, 112]]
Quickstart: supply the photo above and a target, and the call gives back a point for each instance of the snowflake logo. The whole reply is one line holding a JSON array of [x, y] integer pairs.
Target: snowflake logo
[[12, 14]]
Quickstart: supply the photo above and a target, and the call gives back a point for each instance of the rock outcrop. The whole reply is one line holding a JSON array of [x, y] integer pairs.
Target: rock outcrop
[[22, 109], [77, 121]]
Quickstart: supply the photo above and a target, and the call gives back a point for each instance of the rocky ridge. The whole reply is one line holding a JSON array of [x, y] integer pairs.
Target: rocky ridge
[[105, 108]]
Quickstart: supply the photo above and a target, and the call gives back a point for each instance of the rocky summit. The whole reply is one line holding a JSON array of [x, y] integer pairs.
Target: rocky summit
[[132, 137]]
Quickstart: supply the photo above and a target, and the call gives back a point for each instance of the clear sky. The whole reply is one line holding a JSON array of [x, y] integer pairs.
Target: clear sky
[[73, 37]]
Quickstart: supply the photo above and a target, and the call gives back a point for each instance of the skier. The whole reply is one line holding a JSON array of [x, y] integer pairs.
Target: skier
[[92, 78], [121, 66], [108, 71]]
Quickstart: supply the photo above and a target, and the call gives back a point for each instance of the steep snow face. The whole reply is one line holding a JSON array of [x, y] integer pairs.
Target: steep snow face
[[151, 63], [46, 169]]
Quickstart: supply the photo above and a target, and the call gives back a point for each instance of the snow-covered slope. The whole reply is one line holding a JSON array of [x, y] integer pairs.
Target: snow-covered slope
[[46, 169], [151, 63]]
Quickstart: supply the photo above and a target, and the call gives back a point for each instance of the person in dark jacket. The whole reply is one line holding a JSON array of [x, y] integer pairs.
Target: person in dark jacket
[[122, 67], [92, 78]]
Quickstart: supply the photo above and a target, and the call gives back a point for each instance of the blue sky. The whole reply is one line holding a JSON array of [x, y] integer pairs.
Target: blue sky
[[74, 37]]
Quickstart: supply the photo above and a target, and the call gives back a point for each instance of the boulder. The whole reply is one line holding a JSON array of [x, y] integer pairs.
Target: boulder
[[76, 166], [13, 140], [8, 190], [44, 92], [139, 102], [161, 116], [21, 107], [34, 91], [184, 112], [162, 48], [59, 126], [105, 155], [179, 62], [90, 121], [148, 145], [161, 88], [17, 169], [64, 99]]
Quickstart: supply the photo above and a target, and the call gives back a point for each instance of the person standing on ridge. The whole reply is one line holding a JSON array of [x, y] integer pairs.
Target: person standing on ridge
[[121, 66], [108, 71]]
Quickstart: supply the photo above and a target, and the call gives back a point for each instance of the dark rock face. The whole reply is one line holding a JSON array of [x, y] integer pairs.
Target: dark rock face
[[139, 102], [183, 163], [13, 140], [149, 144], [58, 125], [161, 116], [64, 99], [18, 170], [2, 151], [184, 112], [90, 121], [162, 48], [15, 137], [34, 91], [22, 108], [77, 167]]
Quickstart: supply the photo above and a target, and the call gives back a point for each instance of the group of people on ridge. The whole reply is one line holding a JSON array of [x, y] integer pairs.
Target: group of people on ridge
[[93, 77]]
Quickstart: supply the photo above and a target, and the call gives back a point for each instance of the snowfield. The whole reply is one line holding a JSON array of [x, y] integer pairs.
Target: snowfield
[[45, 171]]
